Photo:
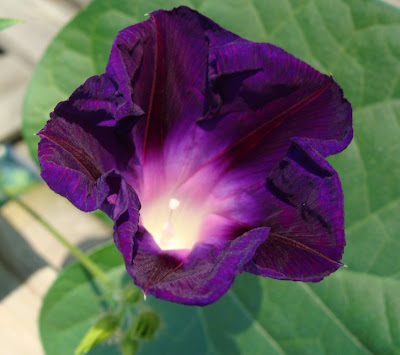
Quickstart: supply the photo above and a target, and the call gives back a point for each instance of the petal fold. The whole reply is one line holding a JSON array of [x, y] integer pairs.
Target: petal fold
[[306, 218], [76, 150], [270, 94], [122, 205], [201, 278]]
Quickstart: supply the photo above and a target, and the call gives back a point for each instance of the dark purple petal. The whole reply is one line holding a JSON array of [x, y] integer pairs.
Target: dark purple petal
[[79, 159], [103, 94], [147, 60], [75, 150], [305, 214], [263, 109], [269, 93], [255, 104], [131, 64], [199, 279], [122, 205]]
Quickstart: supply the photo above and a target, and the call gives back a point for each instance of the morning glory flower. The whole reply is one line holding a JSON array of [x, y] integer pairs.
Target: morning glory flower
[[208, 153]]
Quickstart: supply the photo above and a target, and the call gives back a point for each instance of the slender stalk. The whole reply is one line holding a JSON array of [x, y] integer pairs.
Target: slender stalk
[[82, 257]]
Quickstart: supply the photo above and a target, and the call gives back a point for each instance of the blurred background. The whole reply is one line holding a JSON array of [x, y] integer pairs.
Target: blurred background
[[29, 257]]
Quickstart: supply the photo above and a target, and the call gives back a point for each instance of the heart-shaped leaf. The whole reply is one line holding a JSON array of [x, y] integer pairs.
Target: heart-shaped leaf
[[353, 311]]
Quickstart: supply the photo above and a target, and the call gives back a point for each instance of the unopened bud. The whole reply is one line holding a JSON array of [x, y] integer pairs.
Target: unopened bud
[[101, 330], [146, 325]]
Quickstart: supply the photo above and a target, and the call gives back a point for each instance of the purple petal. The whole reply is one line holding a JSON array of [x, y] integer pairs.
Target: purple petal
[[266, 108], [305, 213], [264, 101], [79, 160], [254, 105], [147, 60], [199, 279], [269, 93], [75, 151], [122, 205]]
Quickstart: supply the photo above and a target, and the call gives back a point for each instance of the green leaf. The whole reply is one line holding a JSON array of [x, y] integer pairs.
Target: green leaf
[[73, 304], [7, 22], [354, 311], [102, 216], [349, 313]]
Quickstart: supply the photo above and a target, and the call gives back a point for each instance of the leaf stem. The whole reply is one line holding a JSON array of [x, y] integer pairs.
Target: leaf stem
[[79, 255]]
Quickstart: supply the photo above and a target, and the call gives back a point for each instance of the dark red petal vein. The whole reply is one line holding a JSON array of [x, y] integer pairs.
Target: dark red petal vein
[[155, 117], [243, 146], [251, 140], [79, 155], [301, 246]]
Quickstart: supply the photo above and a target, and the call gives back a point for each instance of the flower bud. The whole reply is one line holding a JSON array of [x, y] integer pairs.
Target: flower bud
[[101, 330], [146, 325]]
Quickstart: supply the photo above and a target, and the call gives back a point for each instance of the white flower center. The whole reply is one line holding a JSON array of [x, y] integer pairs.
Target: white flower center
[[174, 224]]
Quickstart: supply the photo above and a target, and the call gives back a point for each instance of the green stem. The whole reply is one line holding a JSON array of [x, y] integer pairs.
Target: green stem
[[82, 257]]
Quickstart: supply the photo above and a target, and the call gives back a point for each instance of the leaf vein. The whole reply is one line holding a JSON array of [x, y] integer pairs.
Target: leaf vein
[[374, 213], [333, 317], [257, 324], [207, 336], [257, 15], [307, 42], [386, 314]]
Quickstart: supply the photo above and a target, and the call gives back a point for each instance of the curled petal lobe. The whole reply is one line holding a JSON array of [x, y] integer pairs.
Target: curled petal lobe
[[122, 205], [67, 168], [76, 149], [268, 97], [81, 157], [307, 223]]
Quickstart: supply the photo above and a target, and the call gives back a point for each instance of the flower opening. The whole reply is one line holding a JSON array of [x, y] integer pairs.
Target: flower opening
[[208, 151], [174, 224]]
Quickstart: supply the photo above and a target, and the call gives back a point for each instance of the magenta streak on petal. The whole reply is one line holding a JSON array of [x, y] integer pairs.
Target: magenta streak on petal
[[80, 156], [150, 282], [241, 224], [301, 246], [155, 116]]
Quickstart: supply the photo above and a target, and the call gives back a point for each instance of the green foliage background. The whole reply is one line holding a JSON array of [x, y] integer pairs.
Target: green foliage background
[[7, 22], [354, 311]]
